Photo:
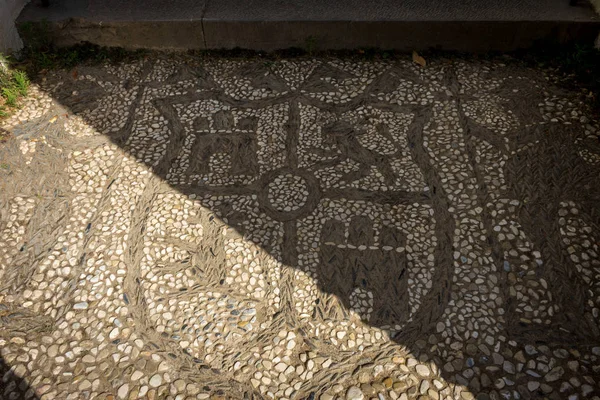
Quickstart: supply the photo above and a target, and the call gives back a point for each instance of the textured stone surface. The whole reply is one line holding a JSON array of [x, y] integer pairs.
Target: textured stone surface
[[407, 10], [180, 227], [473, 25], [9, 38], [330, 10]]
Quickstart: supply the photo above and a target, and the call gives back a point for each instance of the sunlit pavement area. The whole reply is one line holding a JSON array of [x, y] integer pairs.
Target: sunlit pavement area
[[183, 227]]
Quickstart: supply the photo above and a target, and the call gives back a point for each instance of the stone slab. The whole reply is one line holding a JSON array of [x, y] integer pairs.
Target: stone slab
[[124, 24], [404, 10], [474, 36], [115, 10], [471, 25]]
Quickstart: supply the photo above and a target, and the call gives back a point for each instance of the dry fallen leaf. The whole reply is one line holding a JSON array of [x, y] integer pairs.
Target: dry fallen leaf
[[418, 59], [53, 119], [75, 73]]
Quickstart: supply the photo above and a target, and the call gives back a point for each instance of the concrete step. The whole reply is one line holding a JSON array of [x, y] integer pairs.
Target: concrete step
[[466, 25]]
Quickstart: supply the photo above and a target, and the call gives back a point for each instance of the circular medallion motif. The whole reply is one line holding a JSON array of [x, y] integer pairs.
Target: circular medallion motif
[[287, 192]]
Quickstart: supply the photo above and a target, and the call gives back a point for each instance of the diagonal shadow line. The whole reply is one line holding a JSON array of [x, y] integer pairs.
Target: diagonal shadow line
[[423, 323], [166, 105], [15, 382]]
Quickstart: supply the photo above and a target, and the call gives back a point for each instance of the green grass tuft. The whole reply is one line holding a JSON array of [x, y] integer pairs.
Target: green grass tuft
[[10, 96], [21, 82], [14, 85]]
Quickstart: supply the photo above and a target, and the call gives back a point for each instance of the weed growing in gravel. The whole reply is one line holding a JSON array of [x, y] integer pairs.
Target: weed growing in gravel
[[13, 86], [21, 82]]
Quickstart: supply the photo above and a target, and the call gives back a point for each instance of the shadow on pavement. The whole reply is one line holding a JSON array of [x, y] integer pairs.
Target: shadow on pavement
[[14, 386], [407, 198]]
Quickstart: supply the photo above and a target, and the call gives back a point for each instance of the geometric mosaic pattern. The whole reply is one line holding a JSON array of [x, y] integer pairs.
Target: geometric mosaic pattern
[[303, 228]]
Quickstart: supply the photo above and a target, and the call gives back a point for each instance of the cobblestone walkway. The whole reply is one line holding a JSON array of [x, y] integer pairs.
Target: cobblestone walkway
[[186, 228]]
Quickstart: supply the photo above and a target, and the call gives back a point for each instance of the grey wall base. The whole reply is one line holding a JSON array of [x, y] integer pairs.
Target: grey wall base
[[180, 35], [9, 38], [466, 25], [401, 35], [256, 35]]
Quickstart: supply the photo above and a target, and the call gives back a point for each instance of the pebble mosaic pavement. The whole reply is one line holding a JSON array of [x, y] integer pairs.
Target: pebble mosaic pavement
[[301, 229]]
